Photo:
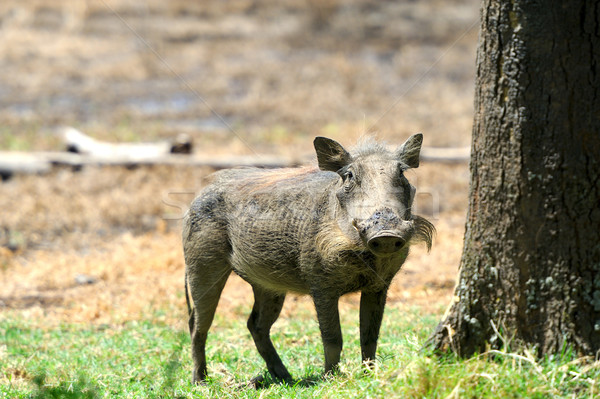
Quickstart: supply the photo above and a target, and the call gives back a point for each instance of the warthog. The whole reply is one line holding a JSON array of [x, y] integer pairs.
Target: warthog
[[326, 232]]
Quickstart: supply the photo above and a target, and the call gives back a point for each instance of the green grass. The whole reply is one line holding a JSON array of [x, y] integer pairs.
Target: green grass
[[149, 359], [21, 137]]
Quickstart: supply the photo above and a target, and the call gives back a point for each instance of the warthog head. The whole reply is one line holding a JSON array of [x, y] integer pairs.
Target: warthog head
[[374, 196]]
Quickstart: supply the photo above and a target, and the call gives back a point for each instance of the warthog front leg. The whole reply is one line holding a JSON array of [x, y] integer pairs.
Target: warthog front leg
[[371, 314], [331, 332]]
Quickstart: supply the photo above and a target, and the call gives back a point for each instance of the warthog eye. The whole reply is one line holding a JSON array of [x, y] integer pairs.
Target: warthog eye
[[349, 181]]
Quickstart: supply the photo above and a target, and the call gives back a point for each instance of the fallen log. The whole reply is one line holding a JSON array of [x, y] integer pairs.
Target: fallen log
[[21, 163], [16, 162], [86, 151], [80, 143]]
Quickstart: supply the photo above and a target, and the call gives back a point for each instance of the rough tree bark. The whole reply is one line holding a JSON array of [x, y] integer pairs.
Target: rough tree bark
[[530, 269]]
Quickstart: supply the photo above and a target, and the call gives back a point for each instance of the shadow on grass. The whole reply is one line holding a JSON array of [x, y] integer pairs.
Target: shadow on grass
[[170, 370], [264, 381], [82, 388]]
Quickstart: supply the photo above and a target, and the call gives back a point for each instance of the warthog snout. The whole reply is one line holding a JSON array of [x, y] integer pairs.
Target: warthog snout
[[384, 233], [385, 243]]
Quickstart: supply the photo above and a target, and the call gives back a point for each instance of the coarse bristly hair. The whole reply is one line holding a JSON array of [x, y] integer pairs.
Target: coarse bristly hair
[[331, 242], [267, 179], [368, 145], [424, 231]]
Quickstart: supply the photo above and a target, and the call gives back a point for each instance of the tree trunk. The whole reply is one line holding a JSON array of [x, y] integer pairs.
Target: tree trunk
[[530, 269]]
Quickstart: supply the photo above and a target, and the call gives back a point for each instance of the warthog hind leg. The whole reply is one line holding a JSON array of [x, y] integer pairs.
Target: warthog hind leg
[[267, 306]]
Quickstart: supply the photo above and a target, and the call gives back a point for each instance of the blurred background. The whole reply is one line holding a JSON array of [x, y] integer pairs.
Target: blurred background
[[238, 77], [275, 72]]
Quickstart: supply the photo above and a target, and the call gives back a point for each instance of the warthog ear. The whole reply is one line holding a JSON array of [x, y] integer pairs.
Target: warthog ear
[[330, 154], [408, 153]]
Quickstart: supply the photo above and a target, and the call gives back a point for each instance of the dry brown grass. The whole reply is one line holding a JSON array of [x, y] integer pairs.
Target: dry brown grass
[[53, 210], [108, 224], [278, 73], [141, 275]]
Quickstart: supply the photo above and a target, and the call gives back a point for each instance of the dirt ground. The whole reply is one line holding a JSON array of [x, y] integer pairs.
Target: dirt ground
[[239, 77]]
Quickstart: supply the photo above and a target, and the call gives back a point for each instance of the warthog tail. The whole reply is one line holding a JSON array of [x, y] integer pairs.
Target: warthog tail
[[189, 307]]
